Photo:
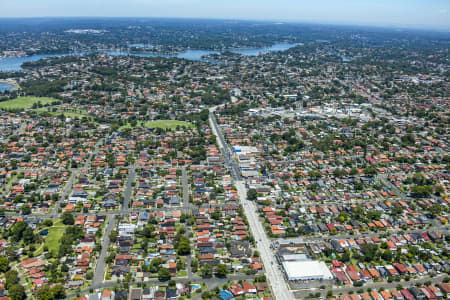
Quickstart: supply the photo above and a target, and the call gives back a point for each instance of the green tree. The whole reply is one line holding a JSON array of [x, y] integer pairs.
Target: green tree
[[28, 235], [206, 271], [420, 191], [345, 256], [12, 277], [439, 189], [387, 255], [89, 274], [45, 293], [26, 210], [184, 248], [16, 292], [17, 231], [435, 210], [67, 218], [221, 270], [252, 194], [47, 223], [58, 292], [369, 251], [370, 170], [4, 264], [164, 274]]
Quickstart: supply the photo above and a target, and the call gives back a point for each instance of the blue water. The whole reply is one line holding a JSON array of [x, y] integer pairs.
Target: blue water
[[255, 52], [5, 87], [13, 64]]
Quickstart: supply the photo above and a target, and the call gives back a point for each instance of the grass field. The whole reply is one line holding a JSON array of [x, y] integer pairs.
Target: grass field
[[25, 102], [70, 113], [163, 124], [52, 240]]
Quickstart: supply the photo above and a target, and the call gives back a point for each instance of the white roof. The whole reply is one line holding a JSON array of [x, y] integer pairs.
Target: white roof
[[306, 270]]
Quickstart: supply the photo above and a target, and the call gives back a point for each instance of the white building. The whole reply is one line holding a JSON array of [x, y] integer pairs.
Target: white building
[[306, 270]]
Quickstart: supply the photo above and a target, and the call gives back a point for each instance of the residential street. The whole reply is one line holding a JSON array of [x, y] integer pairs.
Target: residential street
[[128, 189], [99, 273]]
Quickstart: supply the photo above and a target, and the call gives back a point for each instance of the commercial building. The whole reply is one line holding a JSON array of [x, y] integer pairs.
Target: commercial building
[[306, 270]]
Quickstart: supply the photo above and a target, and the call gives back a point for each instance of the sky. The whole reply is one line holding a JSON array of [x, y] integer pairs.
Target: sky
[[426, 14]]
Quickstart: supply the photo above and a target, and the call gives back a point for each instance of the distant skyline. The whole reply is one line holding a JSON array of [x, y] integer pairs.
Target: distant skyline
[[425, 14]]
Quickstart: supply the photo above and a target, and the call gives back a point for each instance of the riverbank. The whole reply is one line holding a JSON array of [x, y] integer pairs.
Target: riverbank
[[12, 82], [14, 64]]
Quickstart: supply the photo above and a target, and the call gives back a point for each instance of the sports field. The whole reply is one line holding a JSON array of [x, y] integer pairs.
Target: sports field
[[25, 102], [163, 124]]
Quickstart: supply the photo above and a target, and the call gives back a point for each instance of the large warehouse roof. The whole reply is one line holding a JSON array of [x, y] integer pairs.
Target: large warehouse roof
[[306, 270]]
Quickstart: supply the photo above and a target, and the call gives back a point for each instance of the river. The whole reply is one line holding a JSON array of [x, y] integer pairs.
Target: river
[[13, 64], [6, 87]]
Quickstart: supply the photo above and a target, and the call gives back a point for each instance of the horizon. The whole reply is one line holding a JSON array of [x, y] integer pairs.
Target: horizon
[[269, 21], [413, 14]]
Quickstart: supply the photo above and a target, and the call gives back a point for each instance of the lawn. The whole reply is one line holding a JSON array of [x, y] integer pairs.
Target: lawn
[[25, 102], [52, 240], [68, 113], [163, 124]]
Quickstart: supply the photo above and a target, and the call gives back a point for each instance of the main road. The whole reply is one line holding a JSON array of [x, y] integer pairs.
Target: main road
[[276, 280]]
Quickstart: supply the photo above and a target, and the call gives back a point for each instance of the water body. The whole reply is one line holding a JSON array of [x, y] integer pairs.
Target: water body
[[14, 63], [256, 52], [346, 59], [6, 87]]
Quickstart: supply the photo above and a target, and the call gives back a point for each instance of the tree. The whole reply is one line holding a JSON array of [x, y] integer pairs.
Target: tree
[[28, 235], [315, 174], [45, 293], [89, 274], [17, 231], [221, 270], [47, 222], [4, 264], [67, 218], [386, 255], [420, 191], [11, 278], [26, 210], [16, 292], [148, 231], [252, 194], [345, 256], [370, 171], [439, 189], [206, 271], [164, 274], [435, 210], [215, 215], [184, 248], [194, 265], [369, 251], [58, 292]]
